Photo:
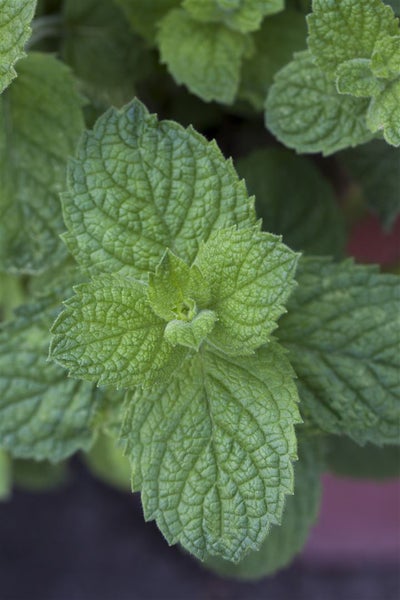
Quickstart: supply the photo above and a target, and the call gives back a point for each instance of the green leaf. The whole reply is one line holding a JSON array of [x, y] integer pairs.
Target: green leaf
[[384, 113], [295, 200], [347, 459], [341, 31], [206, 57], [107, 462], [285, 541], [34, 476], [376, 167], [144, 15], [43, 415], [15, 19], [343, 330], [40, 121], [241, 15], [251, 275], [355, 77], [109, 334], [175, 290], [385, 61], [5, 476], [211, 451], [97, 33], [191, 333], [139, 186], [305, 111], [279, 37]]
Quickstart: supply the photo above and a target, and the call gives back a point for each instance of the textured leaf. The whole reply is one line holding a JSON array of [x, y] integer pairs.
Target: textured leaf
[[347, 459], [38, 476], [206, 57], [5, 475], [355, 77], [279, 37], [251, 275], [43, 415], [15, 18], [40, 121], [139, 186], [242, 15], [347, 29], [385, 61], [304, 110], [144, 15], [191, 333], [342, 331], [175, 290], [107, 462], [102, 50], [283, 542], [109, 334], [384, 113], [211, 452], [376, 167], [294, 200]]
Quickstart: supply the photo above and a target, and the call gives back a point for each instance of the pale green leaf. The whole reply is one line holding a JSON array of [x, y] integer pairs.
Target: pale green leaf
[[241, 15], [347, 29], [144, 15], [305, 111], [109, 334], [251, 275], [343, 333], [376, 168], [347, 459], [285, 541], [384, 113], [139, 186], [38, 476], [107, 462], [294, 200], [43, 414], [40, 121], [99, 45], [385, 61], [279, 37], [212, 451], [355, 77], [191, 333], [206, 57], [5, 475], [15, 19], [175, 290]]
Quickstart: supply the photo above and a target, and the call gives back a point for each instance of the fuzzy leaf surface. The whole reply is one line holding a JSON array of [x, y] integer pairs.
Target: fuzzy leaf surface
[[109, 334], [40, 122], [348, 29], [15, 19], [384, 113], [206, 57], [212, 451], [343, 331], [251, 275], [294, 200], [241, 15], [5, 475], [305, 111], [284, 541], [43, 414], [139, 186]]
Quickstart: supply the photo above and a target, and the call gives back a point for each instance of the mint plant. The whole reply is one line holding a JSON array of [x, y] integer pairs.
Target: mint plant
[[197, 337]]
